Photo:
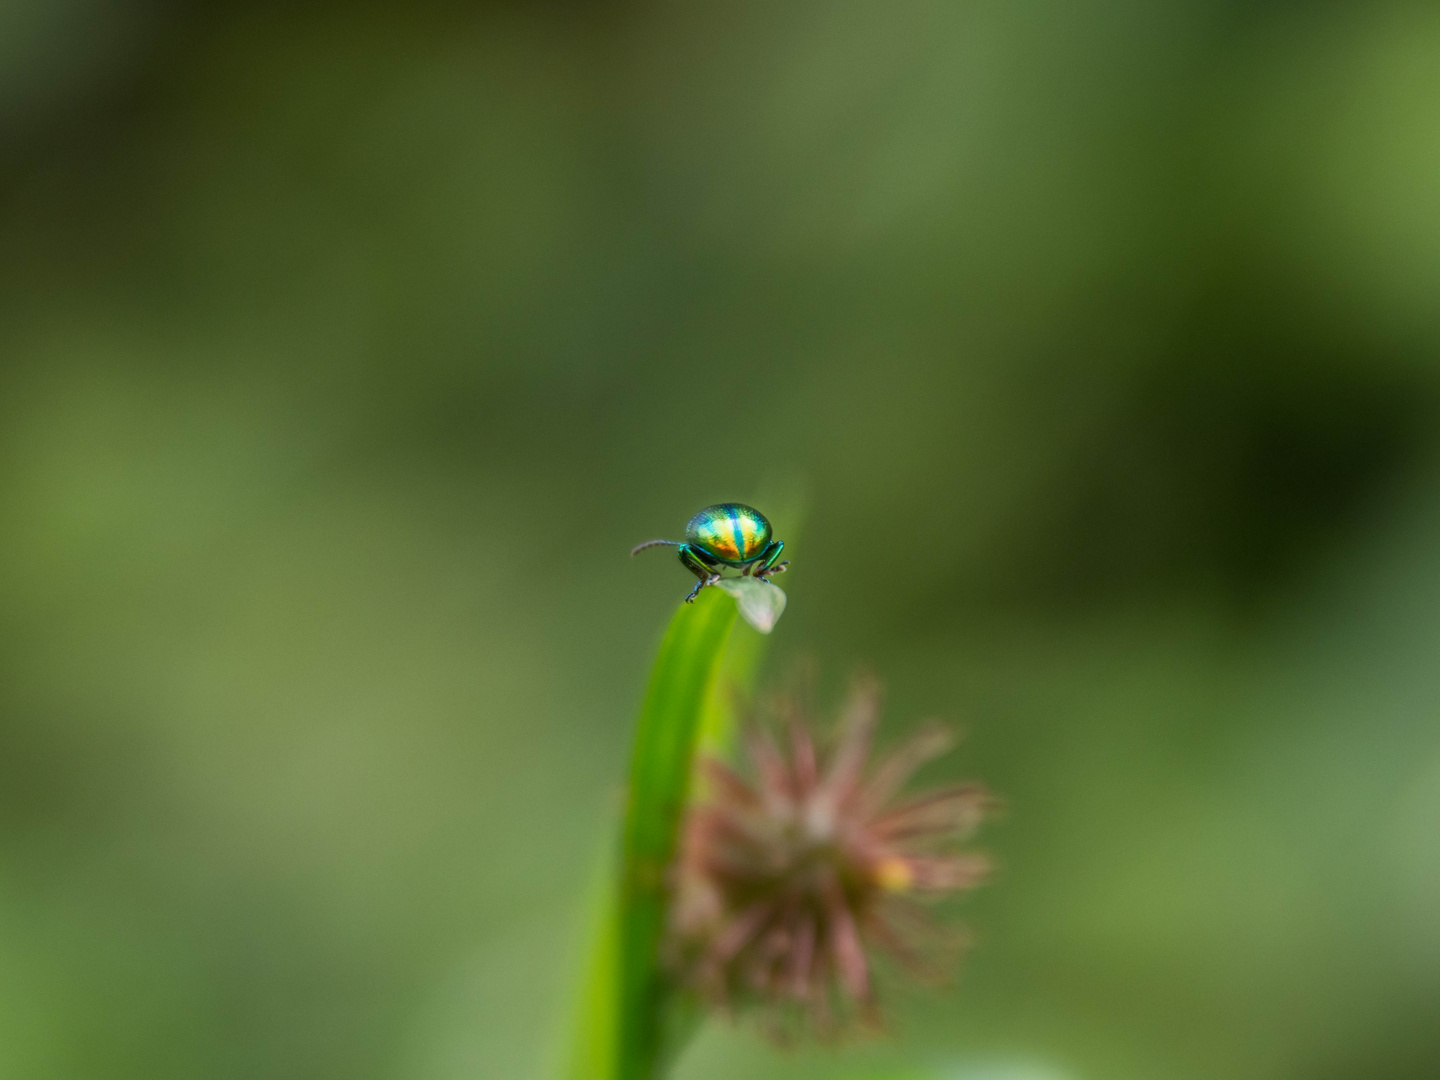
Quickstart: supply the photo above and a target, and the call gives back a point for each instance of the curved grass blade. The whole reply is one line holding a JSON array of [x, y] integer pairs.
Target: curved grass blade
[[681, 684], [624, 1014]]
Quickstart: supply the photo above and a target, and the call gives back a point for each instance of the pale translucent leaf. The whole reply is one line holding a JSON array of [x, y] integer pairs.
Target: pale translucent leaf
[[760, 603]]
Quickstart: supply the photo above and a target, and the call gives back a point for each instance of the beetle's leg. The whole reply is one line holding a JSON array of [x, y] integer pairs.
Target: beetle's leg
[[701, 567], [768, 564], [766, 574]]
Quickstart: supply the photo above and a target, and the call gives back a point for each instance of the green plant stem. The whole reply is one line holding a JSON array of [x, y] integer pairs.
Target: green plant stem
[[682, 685], [624, 1023]]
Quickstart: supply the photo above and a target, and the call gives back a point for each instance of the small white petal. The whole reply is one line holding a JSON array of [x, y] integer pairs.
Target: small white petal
[[761, 603]]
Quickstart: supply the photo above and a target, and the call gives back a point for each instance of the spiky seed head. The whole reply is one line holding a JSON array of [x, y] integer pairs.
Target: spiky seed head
[[791, 878]]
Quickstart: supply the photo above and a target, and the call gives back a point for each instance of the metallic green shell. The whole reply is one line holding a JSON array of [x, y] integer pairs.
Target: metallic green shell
[[733, 533]]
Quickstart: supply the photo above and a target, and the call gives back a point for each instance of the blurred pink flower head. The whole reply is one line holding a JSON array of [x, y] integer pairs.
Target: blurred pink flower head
[[789, 883]]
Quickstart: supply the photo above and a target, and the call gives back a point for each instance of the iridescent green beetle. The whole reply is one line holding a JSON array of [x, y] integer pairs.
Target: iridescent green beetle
[[726, 534]]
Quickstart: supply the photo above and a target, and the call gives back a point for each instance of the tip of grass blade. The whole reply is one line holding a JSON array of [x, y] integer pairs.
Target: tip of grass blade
[[761, 603]]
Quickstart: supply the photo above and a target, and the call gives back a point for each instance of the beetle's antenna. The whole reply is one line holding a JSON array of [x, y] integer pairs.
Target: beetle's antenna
[[652, 543]]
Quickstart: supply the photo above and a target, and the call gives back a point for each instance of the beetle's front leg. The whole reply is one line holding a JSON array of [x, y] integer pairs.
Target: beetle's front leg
[[768, 557], [698, 565]]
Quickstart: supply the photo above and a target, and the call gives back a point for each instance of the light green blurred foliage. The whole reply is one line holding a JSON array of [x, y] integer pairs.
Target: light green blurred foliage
[[348, 348]]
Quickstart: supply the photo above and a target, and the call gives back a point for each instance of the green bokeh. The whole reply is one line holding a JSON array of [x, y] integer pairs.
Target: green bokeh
[[345, 350]]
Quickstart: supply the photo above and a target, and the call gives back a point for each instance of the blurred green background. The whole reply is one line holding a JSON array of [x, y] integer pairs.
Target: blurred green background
[[345, 349]]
